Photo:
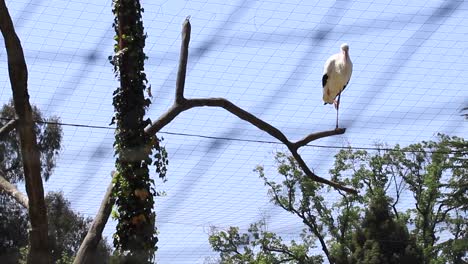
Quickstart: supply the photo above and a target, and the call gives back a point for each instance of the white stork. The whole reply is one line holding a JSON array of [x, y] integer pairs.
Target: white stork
[[336, 74]]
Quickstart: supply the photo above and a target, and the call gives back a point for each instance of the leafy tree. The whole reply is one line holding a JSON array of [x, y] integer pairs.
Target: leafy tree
[[382, 239], [66, 231], [260, 246], [49, 135], [13, 218], [301, 196], [438, 180], [13, 229], [434, 173], [66, 228]]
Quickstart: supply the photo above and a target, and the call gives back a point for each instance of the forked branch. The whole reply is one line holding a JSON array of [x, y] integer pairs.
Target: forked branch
[[182, 104]]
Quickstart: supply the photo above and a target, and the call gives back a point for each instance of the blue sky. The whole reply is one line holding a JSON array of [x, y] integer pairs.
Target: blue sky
[[409, 83]]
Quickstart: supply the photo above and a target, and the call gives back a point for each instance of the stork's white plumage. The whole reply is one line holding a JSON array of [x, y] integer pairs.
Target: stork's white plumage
[[336, 75]]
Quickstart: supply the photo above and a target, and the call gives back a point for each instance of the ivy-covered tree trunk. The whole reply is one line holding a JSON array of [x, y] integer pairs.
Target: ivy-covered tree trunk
[[135, 237]]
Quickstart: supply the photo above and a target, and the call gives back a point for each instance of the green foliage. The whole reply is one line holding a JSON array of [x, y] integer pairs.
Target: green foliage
[[370, 227], [303, 197], [49, 136], [65, 259], [382, 239], [13, 218], [259, 246], [13, 229], [135, 237], [434, 173], [23, 255], [67, 230]]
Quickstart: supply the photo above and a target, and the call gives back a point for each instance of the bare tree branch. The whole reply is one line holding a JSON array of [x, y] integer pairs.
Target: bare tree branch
[[181, 104], [11, 189], [182, 72], [292, 255], [239, 112], [38, 238], [88, 247], [315, 136], [314, 177], [165, 119], [186, 104], [7, 128]]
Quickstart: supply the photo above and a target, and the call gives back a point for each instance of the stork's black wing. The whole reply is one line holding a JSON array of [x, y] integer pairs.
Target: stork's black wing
[[324, 80], [344, 87]]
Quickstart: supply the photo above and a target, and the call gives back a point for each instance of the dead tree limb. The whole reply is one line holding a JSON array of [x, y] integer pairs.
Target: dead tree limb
[[185, 104], [314, 136], [182, 104], [38, 239], [182, 72], [7, 128], [11, 190], [87, 250]]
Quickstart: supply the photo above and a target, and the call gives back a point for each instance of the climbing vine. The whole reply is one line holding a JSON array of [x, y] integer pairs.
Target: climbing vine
[[134, 191]]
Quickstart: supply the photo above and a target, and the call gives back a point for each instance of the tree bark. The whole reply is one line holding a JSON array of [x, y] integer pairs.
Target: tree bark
[[182, 72], [135, 235], [89, 245], [38, 239]]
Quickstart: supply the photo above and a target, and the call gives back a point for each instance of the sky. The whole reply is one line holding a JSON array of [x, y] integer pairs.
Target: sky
[[408, 84]]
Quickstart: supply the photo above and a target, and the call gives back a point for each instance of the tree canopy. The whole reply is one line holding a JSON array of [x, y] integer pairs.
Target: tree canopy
[[373, 226], [13, 217], [49, 135], [66, 228], [13, 229]]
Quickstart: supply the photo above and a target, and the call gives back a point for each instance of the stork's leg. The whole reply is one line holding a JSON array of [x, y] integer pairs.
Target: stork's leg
[[337, 106]]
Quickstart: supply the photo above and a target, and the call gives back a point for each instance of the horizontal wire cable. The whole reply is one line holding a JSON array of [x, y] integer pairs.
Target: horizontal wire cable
[[242, 140]]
